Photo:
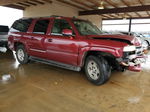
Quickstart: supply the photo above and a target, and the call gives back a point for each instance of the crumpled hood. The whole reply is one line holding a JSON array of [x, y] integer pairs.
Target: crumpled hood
[[122, 38]]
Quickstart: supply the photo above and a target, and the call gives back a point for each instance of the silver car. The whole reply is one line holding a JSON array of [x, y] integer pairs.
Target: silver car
[[3, 35], [146, 37]]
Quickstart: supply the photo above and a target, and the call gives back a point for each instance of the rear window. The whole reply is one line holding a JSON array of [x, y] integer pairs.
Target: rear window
[[21, 25]]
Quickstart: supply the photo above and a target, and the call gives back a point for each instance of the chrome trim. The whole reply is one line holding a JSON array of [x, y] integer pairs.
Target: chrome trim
[[37, 50]]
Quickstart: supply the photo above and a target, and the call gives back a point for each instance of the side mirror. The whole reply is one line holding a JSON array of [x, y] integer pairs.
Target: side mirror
[[67, 32]]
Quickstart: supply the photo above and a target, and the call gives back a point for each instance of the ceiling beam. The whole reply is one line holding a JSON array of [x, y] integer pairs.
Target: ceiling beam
[[71, 4], [111, 3], [114, 5], [48, 1], [7, 2], [19, 5], [114, 16], [82, 3], [91, 7], [30, 3], [127, 4], [39, 2], [139, 15], [141, 2], [23, 4], [116, 10], [98, 4], [15, 6], [106, 16], [94, 2], [127, 18]]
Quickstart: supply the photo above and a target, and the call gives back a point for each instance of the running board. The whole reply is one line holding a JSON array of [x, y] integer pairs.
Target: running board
[[54, 63]]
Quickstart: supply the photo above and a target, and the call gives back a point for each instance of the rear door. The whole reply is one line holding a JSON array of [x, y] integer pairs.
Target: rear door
[[37, 38], [19, 32], [59, 47]]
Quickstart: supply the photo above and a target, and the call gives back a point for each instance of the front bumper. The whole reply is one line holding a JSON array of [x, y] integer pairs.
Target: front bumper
[[135, 68], [133, 63], [133, 60]]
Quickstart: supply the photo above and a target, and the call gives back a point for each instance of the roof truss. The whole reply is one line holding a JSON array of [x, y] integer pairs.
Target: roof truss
[[113, 9]]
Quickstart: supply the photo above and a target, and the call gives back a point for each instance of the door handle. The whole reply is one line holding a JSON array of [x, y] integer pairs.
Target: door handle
[[50, 40], [32, 38]]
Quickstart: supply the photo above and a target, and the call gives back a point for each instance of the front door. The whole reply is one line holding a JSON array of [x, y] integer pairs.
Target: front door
[[59, 47]]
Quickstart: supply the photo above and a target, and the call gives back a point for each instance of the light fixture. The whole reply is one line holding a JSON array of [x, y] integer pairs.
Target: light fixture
[[101, 5]]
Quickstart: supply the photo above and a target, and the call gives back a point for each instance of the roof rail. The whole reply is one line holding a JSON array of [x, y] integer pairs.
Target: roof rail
[[56, 16], [41, 17]]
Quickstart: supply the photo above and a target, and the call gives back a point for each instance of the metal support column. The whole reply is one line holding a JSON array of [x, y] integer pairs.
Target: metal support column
[[130, 24]]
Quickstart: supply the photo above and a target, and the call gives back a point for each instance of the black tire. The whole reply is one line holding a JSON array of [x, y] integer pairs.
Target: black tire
[[103, 69], [25, 57], [148, 43]]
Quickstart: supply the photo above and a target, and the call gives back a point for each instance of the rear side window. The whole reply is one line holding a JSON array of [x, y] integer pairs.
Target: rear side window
[[21, 25], [41, 27]]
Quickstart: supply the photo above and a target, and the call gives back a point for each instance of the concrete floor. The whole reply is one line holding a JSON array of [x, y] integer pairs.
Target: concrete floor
[[37, 87]]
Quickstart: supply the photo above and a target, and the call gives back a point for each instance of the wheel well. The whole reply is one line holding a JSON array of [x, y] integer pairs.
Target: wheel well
[[17, 44], [109, 57]]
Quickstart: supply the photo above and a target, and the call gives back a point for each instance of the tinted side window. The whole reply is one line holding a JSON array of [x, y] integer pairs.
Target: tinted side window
[[4, 30], [59, 25], [21, 25], [41, 27]]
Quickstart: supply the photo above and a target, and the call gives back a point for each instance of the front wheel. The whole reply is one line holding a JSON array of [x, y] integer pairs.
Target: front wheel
[[22, 55], [97, 70]]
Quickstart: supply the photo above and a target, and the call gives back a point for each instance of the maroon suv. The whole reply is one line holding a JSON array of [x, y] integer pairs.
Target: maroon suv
[[74, 44]]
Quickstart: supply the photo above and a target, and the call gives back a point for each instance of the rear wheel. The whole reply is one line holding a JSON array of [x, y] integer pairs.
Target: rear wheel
[[97, 70], [22, 55]]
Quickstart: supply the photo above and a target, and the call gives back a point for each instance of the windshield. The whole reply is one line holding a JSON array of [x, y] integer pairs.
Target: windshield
[[86, 28]]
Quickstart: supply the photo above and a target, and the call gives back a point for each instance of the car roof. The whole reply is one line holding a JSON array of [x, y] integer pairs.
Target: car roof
[[53, 16]]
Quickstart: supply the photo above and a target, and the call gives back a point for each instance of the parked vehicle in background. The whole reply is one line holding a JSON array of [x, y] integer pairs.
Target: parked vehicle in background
[[141, 37], [3, 35], [146, 37], [74, 44]]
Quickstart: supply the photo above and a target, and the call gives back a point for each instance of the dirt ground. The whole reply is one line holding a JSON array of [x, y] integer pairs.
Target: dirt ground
[[37, 87]]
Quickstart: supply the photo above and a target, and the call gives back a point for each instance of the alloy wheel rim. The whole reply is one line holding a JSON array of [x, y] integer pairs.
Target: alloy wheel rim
[[20, 55], [93, 70]]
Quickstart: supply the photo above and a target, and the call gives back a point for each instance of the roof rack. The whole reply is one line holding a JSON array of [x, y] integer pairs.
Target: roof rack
[[56, 16], [41, 17]]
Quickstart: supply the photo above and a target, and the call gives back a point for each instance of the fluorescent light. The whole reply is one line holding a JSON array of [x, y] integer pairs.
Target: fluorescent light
[[101, 7]]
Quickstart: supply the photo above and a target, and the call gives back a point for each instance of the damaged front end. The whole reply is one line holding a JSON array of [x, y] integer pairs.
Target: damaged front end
[[133, 57]]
